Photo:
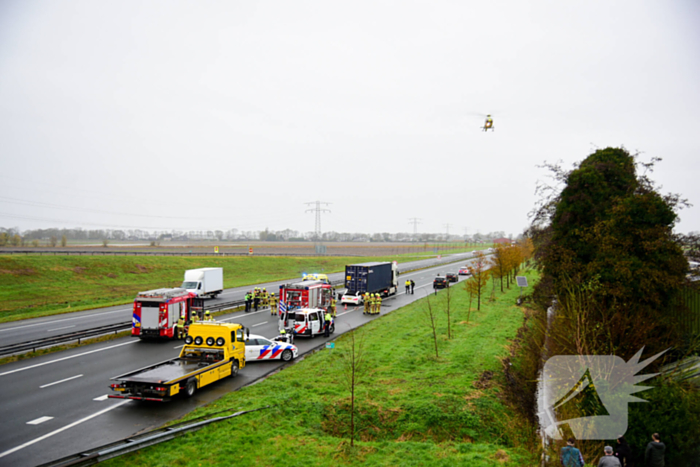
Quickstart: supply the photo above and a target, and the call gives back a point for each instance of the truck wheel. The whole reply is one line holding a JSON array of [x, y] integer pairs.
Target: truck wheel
[[234, 368], [191, 387], [287, 355]]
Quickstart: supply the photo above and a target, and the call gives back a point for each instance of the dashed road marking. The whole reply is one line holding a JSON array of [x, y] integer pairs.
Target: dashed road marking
[[39, 420], [67, 427], [65, 358], [58, 382]]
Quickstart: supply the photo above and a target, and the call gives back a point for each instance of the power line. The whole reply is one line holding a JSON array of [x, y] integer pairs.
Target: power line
[[415, 221], [318, 210], [447, 230]]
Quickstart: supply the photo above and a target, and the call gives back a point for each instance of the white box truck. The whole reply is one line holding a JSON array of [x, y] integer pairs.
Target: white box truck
[[204, 282]]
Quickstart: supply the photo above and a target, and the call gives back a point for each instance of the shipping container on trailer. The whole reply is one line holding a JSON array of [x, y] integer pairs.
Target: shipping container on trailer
[[375, 277]]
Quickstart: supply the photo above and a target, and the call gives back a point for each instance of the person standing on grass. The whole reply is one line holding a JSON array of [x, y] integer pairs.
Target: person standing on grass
[[570, 456], [655, 452], [623, 452], [608, 460]]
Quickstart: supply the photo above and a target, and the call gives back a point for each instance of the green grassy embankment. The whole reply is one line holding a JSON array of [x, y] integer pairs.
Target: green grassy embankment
[[34, 286], [412, 409]]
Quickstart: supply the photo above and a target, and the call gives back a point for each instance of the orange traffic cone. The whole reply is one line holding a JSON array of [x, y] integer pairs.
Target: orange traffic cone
[[346, 307]]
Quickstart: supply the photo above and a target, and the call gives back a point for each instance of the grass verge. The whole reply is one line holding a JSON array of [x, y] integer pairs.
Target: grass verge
[[35, 286], [411, 407]]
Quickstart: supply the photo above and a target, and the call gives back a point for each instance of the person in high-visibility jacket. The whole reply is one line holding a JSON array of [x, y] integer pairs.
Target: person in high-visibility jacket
[[331, 308], [408, 286], [273, 304], [265, 298], [181, 328], [207, 316], [195, 317], [368, 303], [327, 330], [379, 304]]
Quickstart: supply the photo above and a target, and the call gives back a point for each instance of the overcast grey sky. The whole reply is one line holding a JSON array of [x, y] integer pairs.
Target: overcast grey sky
[[232, 114]]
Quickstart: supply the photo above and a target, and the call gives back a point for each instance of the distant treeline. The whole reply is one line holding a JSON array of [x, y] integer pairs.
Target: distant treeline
[[54, 236]]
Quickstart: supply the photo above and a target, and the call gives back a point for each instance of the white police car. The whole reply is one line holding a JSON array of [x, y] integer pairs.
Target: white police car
[[259, 348]]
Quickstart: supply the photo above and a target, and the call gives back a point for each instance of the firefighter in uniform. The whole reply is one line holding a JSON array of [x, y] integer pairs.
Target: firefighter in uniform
[[256, 298], [181, 328], [265, 298], [327, 329], [367, 302], [379, 304], [207, 316], [273, 304], [195, 317], [332, 307]]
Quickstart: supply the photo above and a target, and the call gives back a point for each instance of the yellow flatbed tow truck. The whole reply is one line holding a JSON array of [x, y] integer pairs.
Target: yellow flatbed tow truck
[[212, 351]]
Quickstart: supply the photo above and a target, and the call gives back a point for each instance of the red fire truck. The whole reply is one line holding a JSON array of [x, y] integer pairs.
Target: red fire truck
[[156, 312], [306, 294]]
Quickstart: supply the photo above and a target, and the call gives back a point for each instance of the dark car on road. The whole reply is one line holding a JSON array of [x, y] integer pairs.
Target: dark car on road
[[440, 283], [452, 277]]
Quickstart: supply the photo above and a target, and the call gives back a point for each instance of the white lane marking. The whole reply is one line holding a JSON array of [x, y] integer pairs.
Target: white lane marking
[[179, 346], [39, 420], [243, 313], [58, 329], [102, 398], [58, 382], [67, 427], [259, 324], [65, 358], [65, 319]]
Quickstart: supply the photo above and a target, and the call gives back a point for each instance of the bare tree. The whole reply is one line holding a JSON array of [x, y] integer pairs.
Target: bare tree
[[448, 311], [353, 363], [432, 319]]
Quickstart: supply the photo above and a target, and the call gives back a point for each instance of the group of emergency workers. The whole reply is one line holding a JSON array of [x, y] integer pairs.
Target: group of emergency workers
[[180, 327], [373, 303], [260, 297]]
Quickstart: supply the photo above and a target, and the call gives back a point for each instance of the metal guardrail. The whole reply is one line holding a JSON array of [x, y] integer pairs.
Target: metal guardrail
[[134, 443], [63, 338], [123, 326]]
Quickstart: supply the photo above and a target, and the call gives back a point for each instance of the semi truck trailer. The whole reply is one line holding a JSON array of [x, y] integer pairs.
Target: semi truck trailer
[[379, 278]]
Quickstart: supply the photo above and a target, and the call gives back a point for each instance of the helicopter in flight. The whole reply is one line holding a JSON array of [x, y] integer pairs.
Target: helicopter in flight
[[488, 123]]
